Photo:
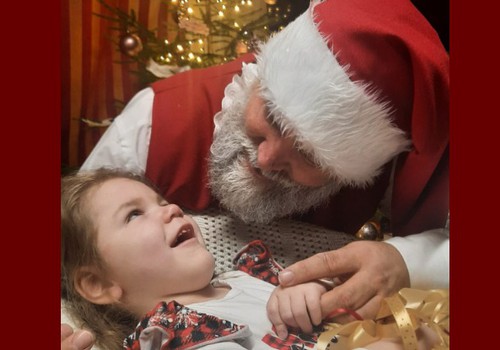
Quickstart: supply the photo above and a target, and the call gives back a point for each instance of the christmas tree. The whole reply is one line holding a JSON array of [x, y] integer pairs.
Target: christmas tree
[[203, 33]]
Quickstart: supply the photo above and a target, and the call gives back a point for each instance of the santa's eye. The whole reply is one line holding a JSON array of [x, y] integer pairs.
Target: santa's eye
[[308, 158]]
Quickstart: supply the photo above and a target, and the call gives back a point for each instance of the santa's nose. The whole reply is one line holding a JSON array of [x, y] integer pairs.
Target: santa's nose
[[272, 155]]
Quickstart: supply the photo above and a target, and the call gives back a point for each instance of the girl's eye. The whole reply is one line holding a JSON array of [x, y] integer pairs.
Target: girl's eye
[[133, 214]]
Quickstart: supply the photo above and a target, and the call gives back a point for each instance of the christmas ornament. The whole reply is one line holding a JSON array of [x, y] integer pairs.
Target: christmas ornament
[[130, 44], [370, 231]]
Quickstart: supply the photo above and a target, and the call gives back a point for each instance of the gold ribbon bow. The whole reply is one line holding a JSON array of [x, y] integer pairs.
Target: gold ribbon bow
[[399, 316]]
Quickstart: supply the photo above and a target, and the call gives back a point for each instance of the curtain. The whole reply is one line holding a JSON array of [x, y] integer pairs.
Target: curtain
[[93, 79]]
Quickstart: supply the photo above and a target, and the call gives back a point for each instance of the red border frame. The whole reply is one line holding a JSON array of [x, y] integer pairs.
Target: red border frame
[[31, 157]]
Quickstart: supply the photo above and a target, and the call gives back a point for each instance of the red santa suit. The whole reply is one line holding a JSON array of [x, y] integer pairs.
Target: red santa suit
[[377, 63]]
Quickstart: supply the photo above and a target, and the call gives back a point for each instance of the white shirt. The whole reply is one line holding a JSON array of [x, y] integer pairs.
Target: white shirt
[[245, 304], [125, 143]]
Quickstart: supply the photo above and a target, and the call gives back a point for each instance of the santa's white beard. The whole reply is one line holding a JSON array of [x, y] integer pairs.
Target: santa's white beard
[[250, 197]]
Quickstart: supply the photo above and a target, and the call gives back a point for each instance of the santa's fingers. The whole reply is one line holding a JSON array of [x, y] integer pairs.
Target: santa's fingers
[[349, 296], [322, 265]]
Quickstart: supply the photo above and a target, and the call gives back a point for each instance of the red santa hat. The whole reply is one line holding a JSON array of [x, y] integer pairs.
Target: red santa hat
[[354, 81]]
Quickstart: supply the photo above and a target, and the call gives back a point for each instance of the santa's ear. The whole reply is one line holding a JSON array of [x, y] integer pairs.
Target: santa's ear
[[93, 286]]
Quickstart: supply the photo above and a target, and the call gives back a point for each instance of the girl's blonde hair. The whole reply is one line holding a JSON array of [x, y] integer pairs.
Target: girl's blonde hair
[[110, 323]]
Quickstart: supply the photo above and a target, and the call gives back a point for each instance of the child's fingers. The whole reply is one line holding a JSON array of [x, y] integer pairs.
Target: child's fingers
[[286, 311], [281, 330], [301, 314], [275, 318], [314, 308]]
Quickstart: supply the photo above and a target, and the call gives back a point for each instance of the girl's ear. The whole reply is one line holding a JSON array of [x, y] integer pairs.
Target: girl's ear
[[91, 285]]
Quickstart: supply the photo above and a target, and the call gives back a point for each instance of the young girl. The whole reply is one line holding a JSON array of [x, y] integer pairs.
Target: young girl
[[135, 271], [128, 256]]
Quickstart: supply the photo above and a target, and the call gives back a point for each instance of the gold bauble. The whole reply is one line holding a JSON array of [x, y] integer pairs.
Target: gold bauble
[[370, 231]]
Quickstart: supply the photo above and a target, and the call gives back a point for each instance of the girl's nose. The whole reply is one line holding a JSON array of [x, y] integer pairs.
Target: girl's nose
[[171, 211]]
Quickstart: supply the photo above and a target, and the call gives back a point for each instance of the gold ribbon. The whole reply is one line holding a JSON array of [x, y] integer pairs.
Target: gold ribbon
[[399, 316]]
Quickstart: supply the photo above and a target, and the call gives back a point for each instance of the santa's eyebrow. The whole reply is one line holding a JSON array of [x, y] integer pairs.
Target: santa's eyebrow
[[271, 119]]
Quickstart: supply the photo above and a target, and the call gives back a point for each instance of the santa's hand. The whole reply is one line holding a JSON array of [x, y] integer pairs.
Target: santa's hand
[[365, 272], [75, 340]]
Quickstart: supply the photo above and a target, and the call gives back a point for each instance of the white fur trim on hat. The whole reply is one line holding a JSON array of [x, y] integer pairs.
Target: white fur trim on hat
[[237, 92], [342, 123]]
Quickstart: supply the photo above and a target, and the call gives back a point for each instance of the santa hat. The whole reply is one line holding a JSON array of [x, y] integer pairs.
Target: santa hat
[[348, 78]]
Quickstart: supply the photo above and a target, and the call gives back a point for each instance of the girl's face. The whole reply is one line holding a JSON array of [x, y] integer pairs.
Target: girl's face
[[151, 249]]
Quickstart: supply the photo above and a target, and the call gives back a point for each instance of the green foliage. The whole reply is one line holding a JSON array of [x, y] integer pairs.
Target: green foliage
[[190, 47]]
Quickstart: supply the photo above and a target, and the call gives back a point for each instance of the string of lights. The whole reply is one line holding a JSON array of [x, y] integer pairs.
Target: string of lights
[[201, 33]]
